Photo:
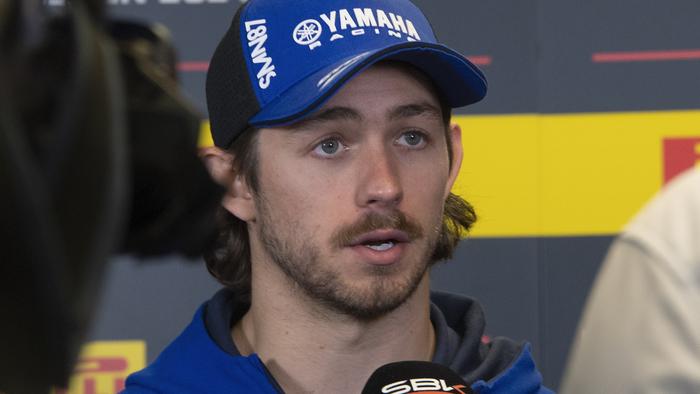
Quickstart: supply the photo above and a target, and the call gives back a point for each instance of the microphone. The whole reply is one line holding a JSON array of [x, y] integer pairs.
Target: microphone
[[419, 377]]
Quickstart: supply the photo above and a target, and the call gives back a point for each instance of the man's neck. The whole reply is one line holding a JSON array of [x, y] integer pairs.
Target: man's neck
[[309, 353]]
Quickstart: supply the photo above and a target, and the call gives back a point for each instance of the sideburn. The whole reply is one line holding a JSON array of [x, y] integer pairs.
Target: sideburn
[[457, 219]]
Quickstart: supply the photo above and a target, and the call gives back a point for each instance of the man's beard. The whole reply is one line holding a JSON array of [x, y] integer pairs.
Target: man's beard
[[300, 260]]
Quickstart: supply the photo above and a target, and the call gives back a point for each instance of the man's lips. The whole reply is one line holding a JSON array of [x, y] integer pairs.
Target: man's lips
[[380, 247]]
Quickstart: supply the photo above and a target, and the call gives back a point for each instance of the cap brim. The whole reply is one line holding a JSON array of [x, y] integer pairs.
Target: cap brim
[[460, 82]]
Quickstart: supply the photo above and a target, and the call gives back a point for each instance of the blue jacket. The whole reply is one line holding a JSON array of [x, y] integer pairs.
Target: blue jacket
[[203, 359]]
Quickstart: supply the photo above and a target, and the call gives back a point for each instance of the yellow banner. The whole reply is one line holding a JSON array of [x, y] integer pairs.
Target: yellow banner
[[570, 174], [104, 366]]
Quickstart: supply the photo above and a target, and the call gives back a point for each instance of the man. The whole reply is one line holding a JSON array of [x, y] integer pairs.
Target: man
[[331, 121], [640, 332]]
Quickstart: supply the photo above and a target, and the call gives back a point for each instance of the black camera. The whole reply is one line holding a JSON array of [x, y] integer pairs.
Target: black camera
[[98, 156]]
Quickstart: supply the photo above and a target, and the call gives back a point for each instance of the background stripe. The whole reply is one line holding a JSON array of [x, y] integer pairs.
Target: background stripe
[[554, 175]]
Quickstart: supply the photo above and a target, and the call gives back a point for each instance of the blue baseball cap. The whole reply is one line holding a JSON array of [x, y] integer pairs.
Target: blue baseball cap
[[281, 59]]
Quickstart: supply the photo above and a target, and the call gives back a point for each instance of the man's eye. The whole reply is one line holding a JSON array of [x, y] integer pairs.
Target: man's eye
[[412, 139], [329, 148]]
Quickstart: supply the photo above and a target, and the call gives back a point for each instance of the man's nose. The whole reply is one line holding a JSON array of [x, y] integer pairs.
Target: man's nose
[[380, 181]]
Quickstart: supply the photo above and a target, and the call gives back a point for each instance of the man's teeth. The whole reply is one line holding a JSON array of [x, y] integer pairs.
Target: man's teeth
[[380, 247]]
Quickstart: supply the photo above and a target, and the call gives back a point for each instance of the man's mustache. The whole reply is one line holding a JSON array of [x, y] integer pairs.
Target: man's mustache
[[372, 221]]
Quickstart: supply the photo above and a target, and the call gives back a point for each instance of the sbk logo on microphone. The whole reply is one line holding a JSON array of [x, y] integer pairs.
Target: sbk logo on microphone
[[423, 386]]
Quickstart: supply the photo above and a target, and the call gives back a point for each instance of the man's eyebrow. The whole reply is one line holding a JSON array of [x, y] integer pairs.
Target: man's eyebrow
[[416, 109], [329, 115]]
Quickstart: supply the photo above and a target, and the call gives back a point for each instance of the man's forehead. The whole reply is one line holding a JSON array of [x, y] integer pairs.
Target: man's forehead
[[335, 114]]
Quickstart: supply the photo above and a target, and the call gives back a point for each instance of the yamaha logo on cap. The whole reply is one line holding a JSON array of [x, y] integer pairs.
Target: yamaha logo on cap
[[307, 33], [352, 23]]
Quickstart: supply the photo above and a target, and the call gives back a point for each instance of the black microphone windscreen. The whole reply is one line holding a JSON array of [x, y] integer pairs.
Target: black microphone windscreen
[[419, 377]]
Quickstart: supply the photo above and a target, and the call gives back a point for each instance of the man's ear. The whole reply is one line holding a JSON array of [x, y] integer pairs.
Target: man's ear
[[238, 199], [455, 134]]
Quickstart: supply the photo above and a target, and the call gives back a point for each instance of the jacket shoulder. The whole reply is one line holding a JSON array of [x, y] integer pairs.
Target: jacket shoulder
[[193, 363], [521, 376]]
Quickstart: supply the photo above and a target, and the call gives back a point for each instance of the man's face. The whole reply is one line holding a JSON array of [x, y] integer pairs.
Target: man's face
[[350, 200]]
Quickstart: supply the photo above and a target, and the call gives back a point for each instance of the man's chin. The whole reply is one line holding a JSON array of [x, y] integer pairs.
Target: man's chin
[[373, 300]]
